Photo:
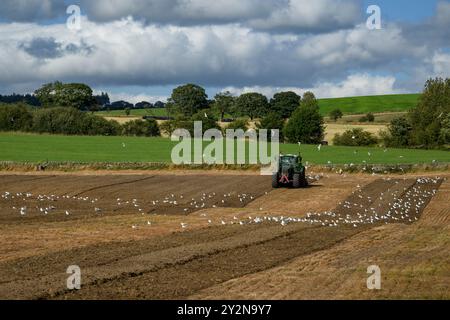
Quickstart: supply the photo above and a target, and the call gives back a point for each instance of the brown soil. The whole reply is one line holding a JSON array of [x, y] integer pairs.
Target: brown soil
[[122, 256]]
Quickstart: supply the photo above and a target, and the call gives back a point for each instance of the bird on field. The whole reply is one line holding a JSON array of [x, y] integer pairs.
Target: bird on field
[[183, 225]]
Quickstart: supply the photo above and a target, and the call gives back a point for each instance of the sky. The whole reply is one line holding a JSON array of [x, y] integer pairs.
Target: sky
[[139, 50]]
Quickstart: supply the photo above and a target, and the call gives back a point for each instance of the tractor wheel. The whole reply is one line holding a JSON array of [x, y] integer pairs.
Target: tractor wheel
[[275, 179], [296, 182], [304, 180]]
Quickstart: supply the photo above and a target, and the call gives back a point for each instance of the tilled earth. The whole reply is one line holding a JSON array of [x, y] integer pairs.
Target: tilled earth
[[175, 236]]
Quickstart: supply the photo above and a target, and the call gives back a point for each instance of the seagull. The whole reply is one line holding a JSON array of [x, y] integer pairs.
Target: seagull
[[184, 225], [319, 147], [67, 213]]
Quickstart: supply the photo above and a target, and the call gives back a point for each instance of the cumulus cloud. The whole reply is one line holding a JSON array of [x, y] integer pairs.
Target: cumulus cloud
[[311, 16], [354, 85], [441, 64], [130, 52], [134, 98], [275, 15], [49, 48]]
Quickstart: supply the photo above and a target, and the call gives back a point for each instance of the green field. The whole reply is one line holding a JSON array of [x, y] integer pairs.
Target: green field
[[157, 112], [374, 104], [41, 148]]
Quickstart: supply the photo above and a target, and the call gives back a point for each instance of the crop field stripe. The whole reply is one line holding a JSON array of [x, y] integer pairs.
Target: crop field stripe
[[113, 185], [83, 149]]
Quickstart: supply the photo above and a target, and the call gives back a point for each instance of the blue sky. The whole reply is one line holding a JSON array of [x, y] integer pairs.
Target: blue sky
[[405, 10], [139, 50]]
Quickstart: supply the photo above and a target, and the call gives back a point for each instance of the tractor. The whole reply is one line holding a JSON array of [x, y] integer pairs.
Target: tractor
[[290, 172]]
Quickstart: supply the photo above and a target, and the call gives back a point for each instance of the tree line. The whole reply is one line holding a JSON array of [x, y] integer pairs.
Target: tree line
[[297, 117]]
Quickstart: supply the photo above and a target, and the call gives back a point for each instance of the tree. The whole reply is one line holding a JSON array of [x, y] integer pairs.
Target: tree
[[431, 111], [188, 99], [336, 114], [159, 104], [367, 118], [399, 133], [209, 121], [444, 137], [127, 111], [252, 105], [284, 103], [15, 117], [306, 123], [141, 128], [223, 103], [272, 121], [58, 94], [143, 105], [355, 137], [102, 99]]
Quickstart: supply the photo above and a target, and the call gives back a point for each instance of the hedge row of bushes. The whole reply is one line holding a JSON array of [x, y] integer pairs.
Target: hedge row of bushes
[[355, 137], [69, 121]]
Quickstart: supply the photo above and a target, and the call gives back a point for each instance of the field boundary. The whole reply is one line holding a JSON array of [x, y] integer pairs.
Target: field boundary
[[12, 166]]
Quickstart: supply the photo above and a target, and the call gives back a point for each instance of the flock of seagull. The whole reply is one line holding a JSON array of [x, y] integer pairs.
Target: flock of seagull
[[404, 205]]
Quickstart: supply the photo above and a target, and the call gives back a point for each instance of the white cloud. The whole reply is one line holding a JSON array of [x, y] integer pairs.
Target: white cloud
[[441, 64], [357, 85], [353, 85], [318, 15], [127, 52], [135, 98], [309, 15]]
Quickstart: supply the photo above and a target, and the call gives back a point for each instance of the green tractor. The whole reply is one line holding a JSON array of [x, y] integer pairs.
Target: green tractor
[[291, 172]]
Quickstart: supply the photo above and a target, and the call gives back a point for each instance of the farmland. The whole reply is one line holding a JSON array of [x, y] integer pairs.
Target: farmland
[[374, 104], [133, 239], [42, 148], [158, 112]]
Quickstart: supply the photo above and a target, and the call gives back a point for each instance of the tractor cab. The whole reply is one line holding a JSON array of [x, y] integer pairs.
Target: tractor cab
[[290, 172]]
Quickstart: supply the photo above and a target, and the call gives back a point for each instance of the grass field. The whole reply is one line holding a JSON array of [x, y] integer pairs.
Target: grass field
[[39, 148], [374, 104], [158, 112]]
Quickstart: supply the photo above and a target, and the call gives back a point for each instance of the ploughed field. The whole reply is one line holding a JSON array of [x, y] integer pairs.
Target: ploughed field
[[189, 235]]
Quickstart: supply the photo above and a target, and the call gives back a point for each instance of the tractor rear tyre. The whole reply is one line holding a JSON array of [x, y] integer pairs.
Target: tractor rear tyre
[[275, 180], [297, 181], [304, 180]]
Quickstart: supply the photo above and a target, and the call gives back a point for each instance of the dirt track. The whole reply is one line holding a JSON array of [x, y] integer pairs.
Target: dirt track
[[224, 249]]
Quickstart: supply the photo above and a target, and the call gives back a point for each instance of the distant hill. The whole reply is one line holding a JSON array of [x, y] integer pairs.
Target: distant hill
[[374, 104]]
